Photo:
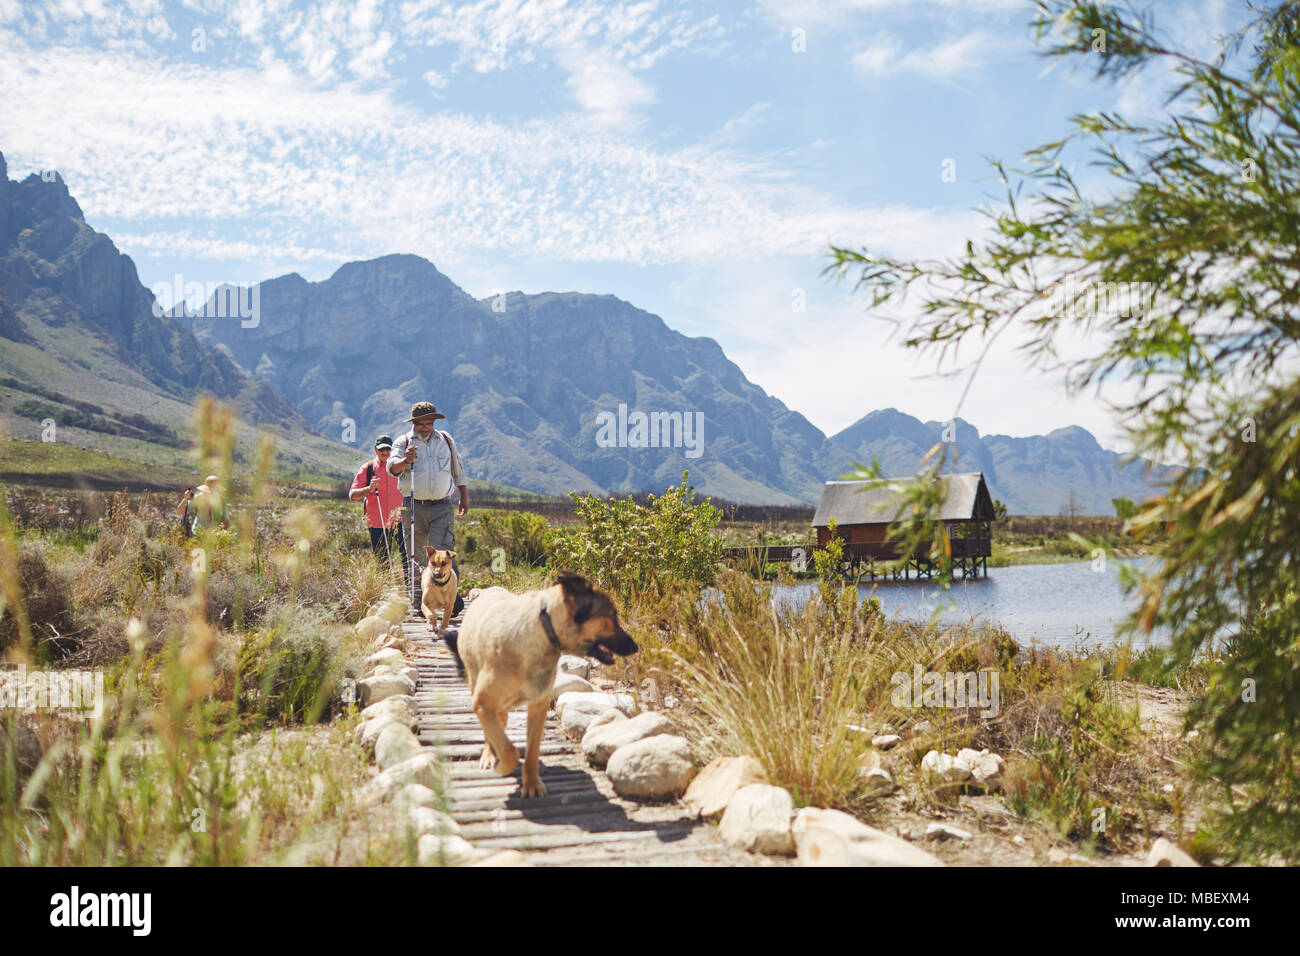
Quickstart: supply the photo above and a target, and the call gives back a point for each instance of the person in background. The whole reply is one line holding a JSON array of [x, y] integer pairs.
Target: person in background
[[204, 507], [383, 503]]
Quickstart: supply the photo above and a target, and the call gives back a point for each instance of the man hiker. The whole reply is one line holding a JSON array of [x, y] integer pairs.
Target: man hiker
[[203, 507], [375, 486], [430, 473]]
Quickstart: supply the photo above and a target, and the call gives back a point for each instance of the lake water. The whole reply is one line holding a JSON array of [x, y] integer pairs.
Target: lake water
[[1064, 605]]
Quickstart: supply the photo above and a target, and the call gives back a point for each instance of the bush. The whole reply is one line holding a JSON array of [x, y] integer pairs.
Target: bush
[[521, 534], [787, 686], [1247, 718], [290, 669], [629, 549], [47, 596]]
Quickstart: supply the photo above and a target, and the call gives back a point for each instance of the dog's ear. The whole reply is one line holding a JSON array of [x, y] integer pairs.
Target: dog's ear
[[429, 551], [451, 555], [573, 584], [577, 594]]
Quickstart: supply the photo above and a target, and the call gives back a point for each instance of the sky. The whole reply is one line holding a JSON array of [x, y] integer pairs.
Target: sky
[[696, 160]]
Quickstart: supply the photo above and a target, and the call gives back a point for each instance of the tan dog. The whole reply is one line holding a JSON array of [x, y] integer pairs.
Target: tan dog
[[509, 646], [438, 586]]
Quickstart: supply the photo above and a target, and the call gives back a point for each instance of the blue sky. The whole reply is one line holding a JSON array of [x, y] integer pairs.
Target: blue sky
[[693, 159]]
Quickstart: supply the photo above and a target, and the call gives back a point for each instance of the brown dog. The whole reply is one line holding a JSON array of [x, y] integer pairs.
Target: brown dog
[[438, 584], [509, 646]]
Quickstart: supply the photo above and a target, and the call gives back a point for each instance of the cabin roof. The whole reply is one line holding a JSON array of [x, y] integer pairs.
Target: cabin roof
[[855, 502]]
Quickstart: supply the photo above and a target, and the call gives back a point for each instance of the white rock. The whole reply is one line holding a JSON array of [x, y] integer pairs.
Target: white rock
[[654, 768], [876, 782], [395, 744], [422, 769], [600, 741], [758, 820], [391, 657], [414, 795], [621, 702], [504, 858], [380, 686], [411, 674], [369, 628], [885, 741], [920, 727], [985, 768], [570, 683], [577, 719], [446, 850], [431, 820], [368, 731], [711, 791], [402, 707], [943, 831], [578, 666], [1018, 840], [833, 838], [945, 768], [1167, 853]]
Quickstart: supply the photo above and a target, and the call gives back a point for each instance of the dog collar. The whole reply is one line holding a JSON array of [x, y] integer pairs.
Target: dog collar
[[549, 628], [434, 579]]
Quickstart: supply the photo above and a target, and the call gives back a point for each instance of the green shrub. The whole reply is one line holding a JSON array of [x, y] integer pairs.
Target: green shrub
[[47, 596], [291, 669], [1252, 696], [630, 549], [521, 534]]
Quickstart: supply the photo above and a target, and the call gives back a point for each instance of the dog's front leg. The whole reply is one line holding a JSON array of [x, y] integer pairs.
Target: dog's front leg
[[494, 734], [532, 778]]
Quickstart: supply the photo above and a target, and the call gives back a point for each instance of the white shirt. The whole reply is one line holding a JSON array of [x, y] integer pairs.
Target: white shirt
[[435, 471]]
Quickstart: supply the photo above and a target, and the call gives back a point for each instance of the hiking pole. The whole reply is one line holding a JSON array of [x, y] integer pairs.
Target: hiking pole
[[410, 554]]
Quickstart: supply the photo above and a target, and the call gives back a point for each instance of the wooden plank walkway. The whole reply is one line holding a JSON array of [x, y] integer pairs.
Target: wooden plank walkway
[[580, 821]]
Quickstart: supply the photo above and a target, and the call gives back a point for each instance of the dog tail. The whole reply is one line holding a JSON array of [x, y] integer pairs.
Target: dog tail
[[452, 635]]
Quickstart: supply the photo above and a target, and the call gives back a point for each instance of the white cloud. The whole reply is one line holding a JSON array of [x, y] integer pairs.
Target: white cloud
[[603, 87], [601, 46], [876, 59], [837, 12], [944, 61], [230, 145]]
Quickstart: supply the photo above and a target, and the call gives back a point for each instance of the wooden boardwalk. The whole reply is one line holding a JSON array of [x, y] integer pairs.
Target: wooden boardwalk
[[580, 821]]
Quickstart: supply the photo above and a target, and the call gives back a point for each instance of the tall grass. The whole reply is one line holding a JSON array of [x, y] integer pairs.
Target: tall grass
[[232, 631]]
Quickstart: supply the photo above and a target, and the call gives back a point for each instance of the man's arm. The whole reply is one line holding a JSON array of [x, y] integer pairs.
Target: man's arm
[[359, 488], [397, 460]]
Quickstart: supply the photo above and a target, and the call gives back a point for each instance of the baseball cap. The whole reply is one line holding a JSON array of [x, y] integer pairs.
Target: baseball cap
[[383, 441]]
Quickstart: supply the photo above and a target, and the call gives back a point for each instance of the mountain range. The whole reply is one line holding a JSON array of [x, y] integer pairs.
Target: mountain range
[[81, 344], [525, 379]]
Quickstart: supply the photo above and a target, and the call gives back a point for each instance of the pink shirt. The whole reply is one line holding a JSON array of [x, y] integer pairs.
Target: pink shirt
[[380, 505]]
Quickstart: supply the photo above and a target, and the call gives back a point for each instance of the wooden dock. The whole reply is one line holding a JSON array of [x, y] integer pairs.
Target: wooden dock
[[580, 821]]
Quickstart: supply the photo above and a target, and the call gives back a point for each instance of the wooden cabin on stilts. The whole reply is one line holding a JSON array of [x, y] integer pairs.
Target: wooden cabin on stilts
[[864, 512]]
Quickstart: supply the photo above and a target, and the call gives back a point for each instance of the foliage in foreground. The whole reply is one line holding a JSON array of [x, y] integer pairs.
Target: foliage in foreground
[[227, 633], [1198, 233]]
